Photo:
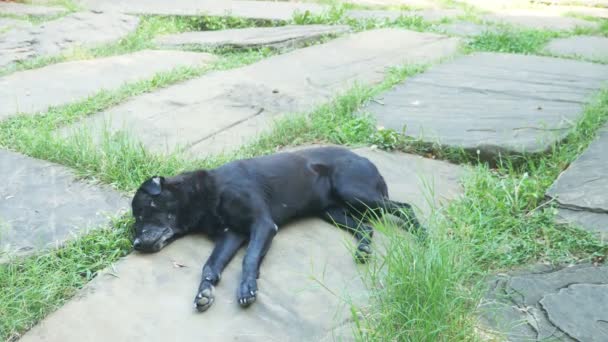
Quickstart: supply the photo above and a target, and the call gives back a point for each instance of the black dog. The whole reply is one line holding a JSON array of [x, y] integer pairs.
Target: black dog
[[249, 199]]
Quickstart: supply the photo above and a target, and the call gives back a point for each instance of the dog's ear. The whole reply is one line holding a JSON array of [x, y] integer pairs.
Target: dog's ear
[[154, 185]]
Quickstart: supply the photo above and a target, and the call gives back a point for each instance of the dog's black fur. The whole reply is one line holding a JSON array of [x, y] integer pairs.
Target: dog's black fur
[[247, 200]]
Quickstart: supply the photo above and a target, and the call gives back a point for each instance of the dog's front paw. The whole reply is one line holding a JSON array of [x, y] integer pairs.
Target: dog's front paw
[[247, 292], [204, 298]]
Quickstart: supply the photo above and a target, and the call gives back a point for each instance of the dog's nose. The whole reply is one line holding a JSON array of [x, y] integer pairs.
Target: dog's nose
[[136, 243]]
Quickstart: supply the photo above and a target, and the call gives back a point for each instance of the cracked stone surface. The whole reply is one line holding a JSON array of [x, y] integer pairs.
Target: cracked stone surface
[[590, 47], [236, 105], [571, 309], [146, 297], [580, 191], [43, 204], [74, 30], [566, 304], [15, 8], [268, 10], [494, 103], [290, 36], [23, 92]]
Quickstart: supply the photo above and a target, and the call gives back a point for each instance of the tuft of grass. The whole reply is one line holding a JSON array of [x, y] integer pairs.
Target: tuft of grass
[[511, 40], [419, 291]]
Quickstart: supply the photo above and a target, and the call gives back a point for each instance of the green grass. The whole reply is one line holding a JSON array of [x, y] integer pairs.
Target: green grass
[[337, 15], [511, 40], [420, 292]]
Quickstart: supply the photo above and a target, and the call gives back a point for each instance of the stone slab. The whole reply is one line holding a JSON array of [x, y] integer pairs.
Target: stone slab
[[519, 7], [395, 3], [584, 184], [539, 21], [290, 36], [9, 24], [463, 28], [589, 47], [494, 103], [580, 191], [53, 37], [36, 90], [428, 15], [16, 8], [570, 310], [589, 3], [594, 222], [43, 204], [265, 10], [553, 304], [307, 276], [223, 110]]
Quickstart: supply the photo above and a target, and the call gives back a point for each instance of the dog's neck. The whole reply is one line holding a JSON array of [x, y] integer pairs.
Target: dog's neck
[[201, 202]]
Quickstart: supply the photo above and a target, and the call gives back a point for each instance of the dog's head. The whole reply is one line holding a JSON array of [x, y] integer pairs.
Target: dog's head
[[157, 206]]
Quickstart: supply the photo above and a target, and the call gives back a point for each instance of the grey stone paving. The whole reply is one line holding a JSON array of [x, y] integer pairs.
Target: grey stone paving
[[23, 92], [590, 3], [15, 8], [464, 28], [556, 23], [269, 10], [581, 190], [428, 15], [290, 36], [43, 204], [53, 37], [549, 305], [494, 103], [9, 24], [149, 298], [589, 47], [223, 110]]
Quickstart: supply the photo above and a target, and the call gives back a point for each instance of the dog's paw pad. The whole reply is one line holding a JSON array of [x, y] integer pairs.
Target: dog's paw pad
[[204, 299], [363, 253], [246, 301]]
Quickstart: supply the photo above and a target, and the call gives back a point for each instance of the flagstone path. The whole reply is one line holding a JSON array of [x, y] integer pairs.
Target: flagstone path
[[492, 102]]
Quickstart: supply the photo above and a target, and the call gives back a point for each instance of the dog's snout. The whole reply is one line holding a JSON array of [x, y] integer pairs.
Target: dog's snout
[[137, 243]]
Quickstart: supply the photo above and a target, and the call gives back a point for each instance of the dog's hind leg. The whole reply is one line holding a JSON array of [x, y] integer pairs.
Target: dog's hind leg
[[362, 232], [362, 202], [226, 246]]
